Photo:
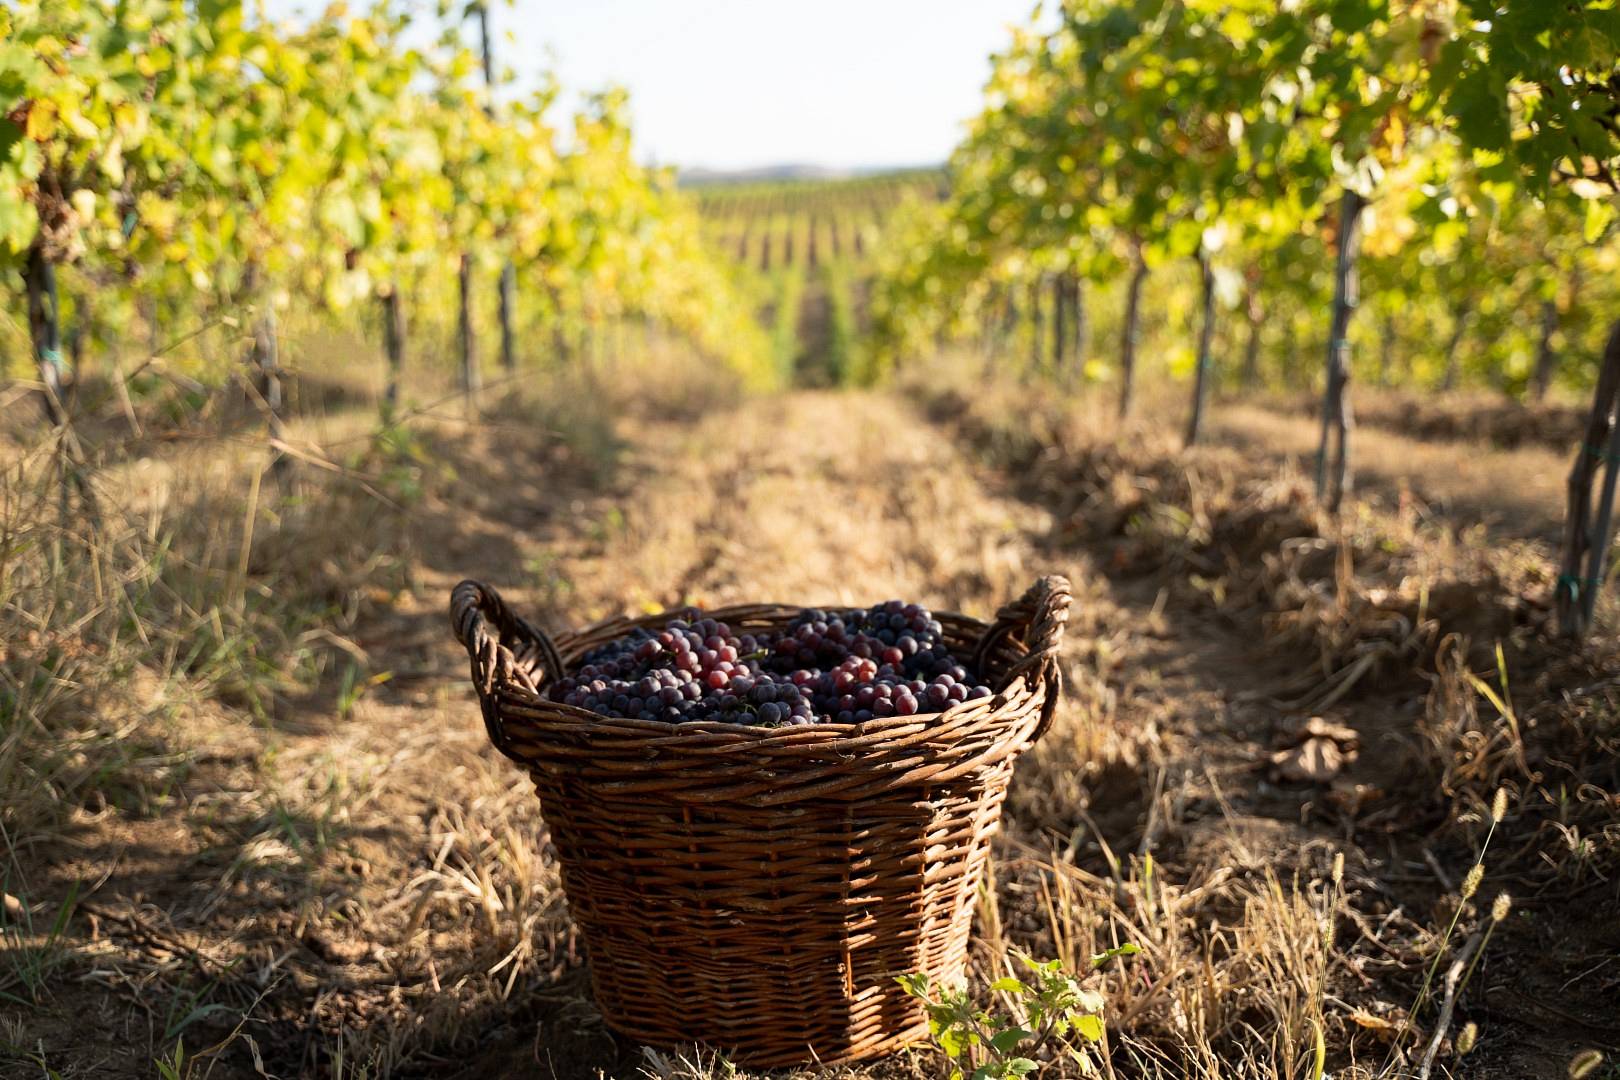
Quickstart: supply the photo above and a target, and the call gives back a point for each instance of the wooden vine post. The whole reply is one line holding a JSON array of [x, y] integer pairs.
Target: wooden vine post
[[1587, 539], [1009, 318], [999, 329], [1337, 418], [393, 319], [507, 303], [1254, 315], [1080, 332], [471, 380], [1459, 328], [45, 328], [1386, 348], [267, 359], [1060, 323], [1037, 326], [1546, 356], [1130, 334], [1206, 339], [264, 357], [506, 297], [76, 351]]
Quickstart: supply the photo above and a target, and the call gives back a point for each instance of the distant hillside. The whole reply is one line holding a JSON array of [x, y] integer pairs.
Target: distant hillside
[[699, 176]]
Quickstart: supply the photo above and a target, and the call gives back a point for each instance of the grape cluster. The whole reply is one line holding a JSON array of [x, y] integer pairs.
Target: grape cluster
[[687, 671], [844, 666]]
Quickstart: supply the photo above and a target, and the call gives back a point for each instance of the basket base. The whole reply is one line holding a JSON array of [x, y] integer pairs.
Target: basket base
[[777, 936]]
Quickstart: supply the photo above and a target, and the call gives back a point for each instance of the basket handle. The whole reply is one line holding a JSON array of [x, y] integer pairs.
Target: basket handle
[[476, 608], [1038, 619]]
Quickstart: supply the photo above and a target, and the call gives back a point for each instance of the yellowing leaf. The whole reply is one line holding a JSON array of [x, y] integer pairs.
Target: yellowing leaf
[[81, 125], [1599, 213], [41, 121], [1089, 1027]]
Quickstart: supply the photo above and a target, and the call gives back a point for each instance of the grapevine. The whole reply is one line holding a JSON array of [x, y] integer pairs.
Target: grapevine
[[200, 166]]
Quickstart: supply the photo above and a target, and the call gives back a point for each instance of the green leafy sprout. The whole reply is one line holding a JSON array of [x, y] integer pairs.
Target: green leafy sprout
[[1049, 1005]]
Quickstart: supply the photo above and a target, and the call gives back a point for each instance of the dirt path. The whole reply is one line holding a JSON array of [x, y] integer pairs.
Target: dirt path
[[814, 365]]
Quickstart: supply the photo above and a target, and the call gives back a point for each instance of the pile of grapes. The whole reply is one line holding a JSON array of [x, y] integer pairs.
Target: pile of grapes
[[844, 666]]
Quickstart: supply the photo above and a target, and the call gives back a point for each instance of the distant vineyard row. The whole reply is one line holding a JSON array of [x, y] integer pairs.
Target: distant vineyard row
[[877, 193], [768, 225], [166, 167], [803, 251], [768, 242]]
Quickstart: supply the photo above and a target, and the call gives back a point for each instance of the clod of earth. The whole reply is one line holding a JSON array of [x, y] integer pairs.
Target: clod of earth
[[1319, 750]]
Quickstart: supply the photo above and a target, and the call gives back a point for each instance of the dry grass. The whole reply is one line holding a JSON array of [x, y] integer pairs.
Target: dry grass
[[1424, 631], [252, 820], [202, 589]]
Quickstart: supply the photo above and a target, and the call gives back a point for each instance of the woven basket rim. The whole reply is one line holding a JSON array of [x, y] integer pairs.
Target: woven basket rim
[[503, 663], [822, 729]]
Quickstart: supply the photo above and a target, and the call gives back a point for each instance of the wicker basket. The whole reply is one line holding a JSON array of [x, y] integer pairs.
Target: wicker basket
[[756, 890]]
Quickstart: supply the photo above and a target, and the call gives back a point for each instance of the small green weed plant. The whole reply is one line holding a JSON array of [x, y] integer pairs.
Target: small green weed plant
[[1050, 1005]]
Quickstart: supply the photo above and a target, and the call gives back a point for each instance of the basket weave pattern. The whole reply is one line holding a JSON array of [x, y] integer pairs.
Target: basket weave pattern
[[758, 890]]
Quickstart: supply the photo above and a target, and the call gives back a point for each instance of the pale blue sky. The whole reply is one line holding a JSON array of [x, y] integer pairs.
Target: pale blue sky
[[730, 83], [737, 83]]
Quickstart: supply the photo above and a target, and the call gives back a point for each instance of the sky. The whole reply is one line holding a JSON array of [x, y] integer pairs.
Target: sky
[[734, 84], [738, 83]]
